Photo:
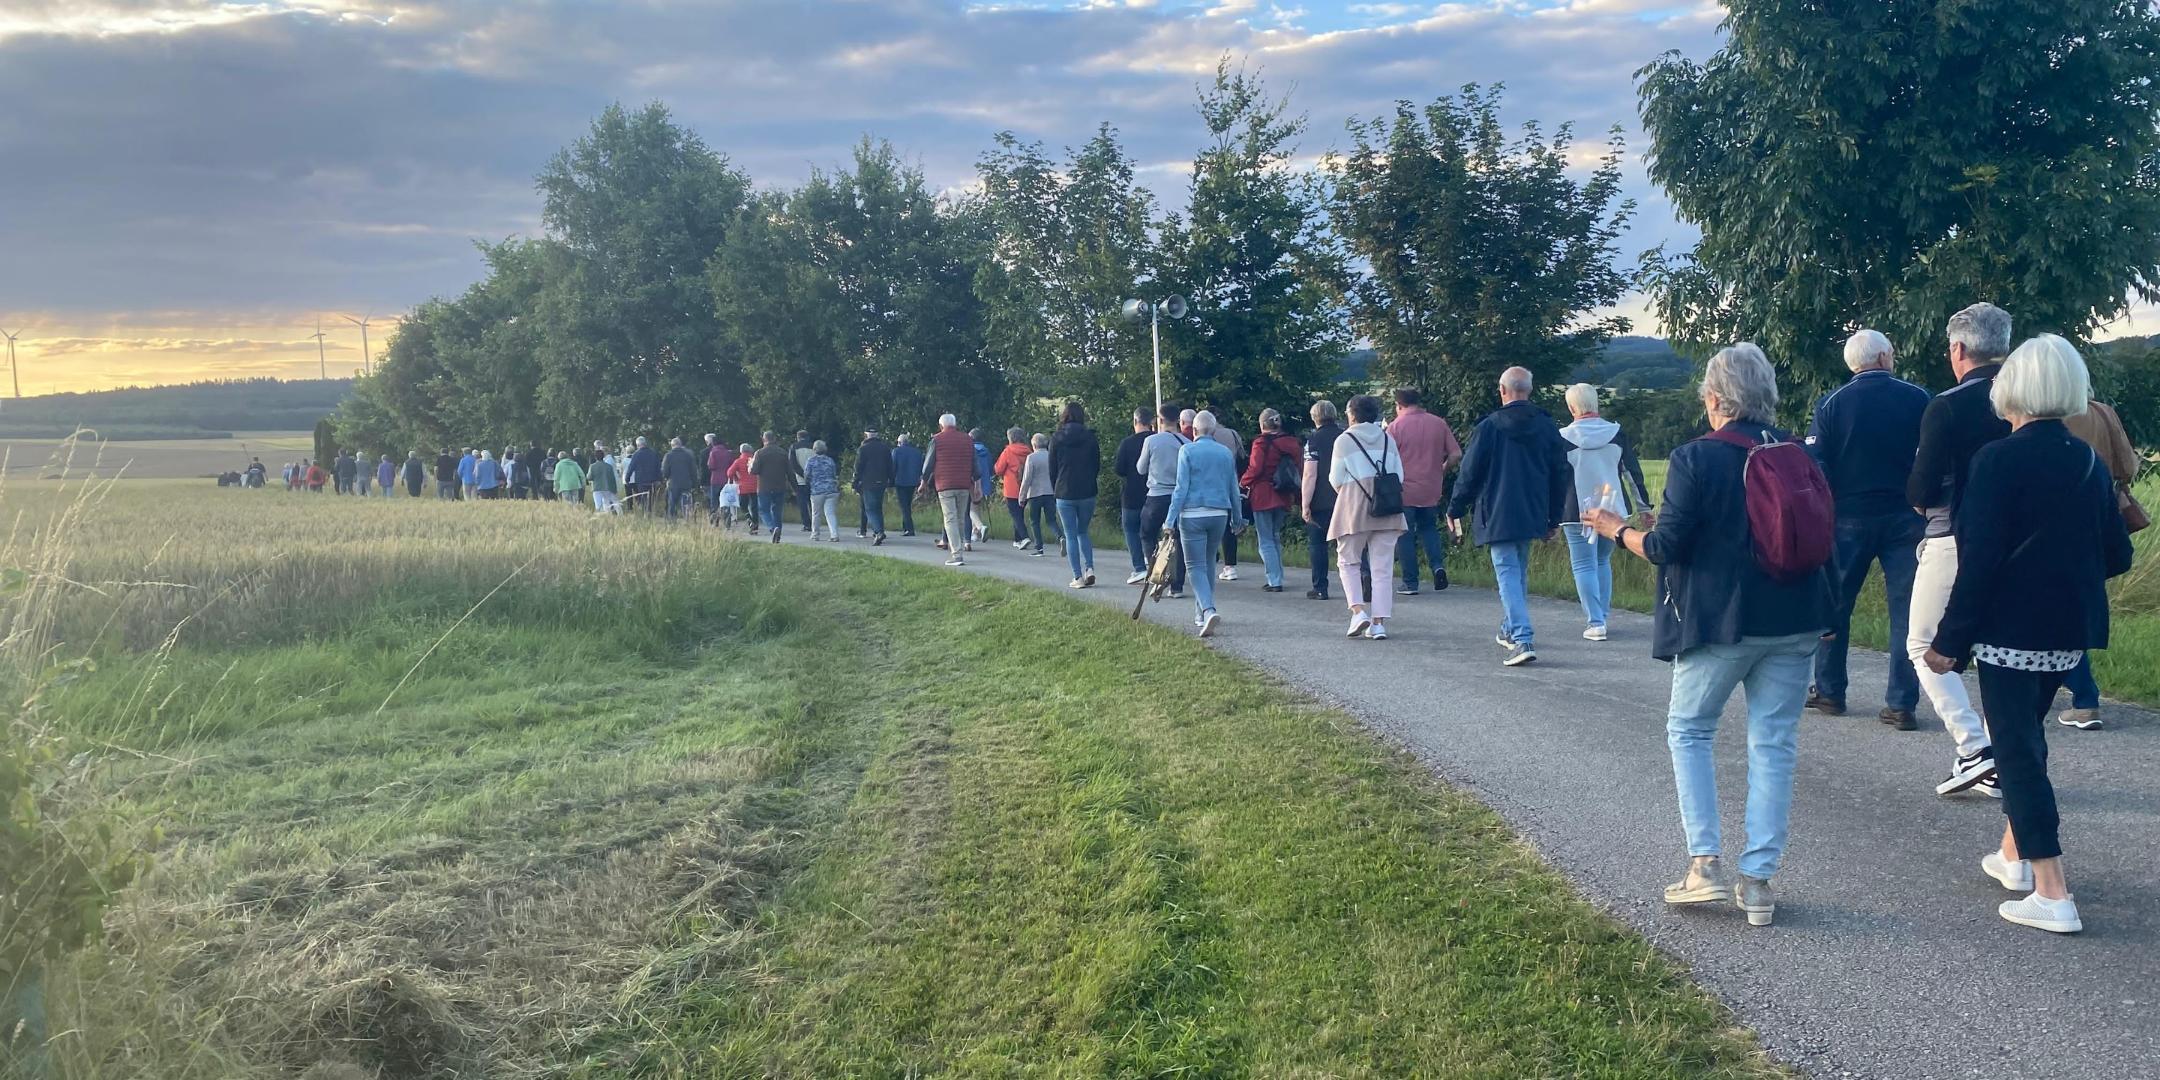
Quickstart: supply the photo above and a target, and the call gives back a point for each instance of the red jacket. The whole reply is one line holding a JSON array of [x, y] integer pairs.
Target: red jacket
[[953, 461], [1009, 463], [738, 470], [1259, 478]]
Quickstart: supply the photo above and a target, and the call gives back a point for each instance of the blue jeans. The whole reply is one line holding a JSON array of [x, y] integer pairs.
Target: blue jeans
[[2084, 689], [1590, 557], [1074, 516], [768, 505], [1422, 528], [1269, 526], [1774, 672], [1135, 546], [873, 509], [1202, 538], [678, 502], [1511, 566], [1316, 543], [1894, 541]]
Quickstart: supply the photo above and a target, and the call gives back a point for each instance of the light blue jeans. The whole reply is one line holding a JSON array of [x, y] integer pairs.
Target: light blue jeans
[[1201, 540], [1511, 566], [1590, 556], [1074, 516], [1774, 672], [1268, 523]]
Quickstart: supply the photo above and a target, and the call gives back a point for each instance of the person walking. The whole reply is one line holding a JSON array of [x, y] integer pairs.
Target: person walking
[[1864, 435], [1037, 496], [1075, 464], [640, 475], [679, 469], [1317, 505], [468, 471], [1234, 443], [1429, 452], [569, 480], [343, 470], [1953, 428], [824, 474], [1365, 465], [517, 474], [1516, 475], [414, 472], [746, 485], [1159, 464], [1132, 492], [1204, 503], [488, 476], [363, 474], [385, 475], [1604, 465], [1724, 623], [2039, 534], [955, 473], [718, 456], [773, 468], [1274, 482], [800, 454], [1008, 466], [873, 477], [606, 482], [315, 475], [2100, 428], [907, 463], [988, 482]]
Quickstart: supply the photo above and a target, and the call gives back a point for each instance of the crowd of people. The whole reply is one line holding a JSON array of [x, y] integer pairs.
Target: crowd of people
[[1996, 511]]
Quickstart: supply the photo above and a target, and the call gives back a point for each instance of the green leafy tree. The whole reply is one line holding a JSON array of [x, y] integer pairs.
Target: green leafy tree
[[1252, 256], [1472, 251], [1885, 164]]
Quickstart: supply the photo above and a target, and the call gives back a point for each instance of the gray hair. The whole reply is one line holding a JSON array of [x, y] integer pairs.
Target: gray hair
[[743, 449], [1203, 422], [1143, 417], [948, 420], [1744, 382], [818, 447], [1516, 380], [1039, 441], [1189, 417], [1983, 329], [1270, 420], [2045, 379], [901, 439], [1013, 434], [1582, 397], [1324, 412], [1867, 351]]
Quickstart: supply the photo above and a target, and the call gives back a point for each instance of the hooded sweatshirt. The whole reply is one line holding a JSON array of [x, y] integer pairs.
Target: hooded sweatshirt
[[1516, 475], [1604, 461], [1010, 462]]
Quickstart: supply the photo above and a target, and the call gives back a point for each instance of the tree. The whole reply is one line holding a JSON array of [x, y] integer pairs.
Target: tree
[[1473, 251], [1251, 256], [1885, 164]]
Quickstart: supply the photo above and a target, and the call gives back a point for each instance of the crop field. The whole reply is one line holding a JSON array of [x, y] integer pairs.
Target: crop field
[[162, 459]]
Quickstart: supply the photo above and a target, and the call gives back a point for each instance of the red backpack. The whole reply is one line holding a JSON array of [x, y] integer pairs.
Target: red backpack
[[1791, 517]]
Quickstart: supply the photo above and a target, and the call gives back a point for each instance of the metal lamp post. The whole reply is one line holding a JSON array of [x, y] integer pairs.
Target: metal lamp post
[[1135, 310]]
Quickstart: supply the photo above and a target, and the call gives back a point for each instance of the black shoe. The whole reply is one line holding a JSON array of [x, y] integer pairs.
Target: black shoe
[[1316, 594], [1439, 581], [1406, 590], [879, 540], [1825, 706], [1968, 771], [907, 532], [1901, 719], [1270, 588]]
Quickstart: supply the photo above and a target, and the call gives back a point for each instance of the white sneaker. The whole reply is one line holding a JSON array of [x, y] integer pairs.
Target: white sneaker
[[956, 561], [1594, 633], [2039, 912], [1378, 631], [1019, 543], [1208, 623], [1136, 577], [1227, 573], [2015, 876], [1359, 624], [1076, 583]]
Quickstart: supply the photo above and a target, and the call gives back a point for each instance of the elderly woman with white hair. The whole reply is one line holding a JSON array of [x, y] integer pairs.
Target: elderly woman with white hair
[[1607, 474], [1724, 623], [2038, 535], [1205, 507]]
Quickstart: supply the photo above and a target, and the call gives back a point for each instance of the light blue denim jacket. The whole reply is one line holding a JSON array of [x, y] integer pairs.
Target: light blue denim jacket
[[1207, 480]]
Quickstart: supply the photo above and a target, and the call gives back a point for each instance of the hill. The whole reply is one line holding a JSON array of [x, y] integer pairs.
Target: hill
[[1628, 363], [196, 410]]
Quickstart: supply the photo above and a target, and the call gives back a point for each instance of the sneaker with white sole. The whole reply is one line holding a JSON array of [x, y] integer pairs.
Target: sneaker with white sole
[[1704, 883], [1017, 544], [1503, 641], [1378, 631], [1136, 577], [1594, 633], [1227, 573], [1359, 623], [2081, 719], [956, 561], [1208, 623], [1990, 786], [1753, 897], [1967, 771], [2014, 874], [2041, 913], [1518, 655], [1075, 584]]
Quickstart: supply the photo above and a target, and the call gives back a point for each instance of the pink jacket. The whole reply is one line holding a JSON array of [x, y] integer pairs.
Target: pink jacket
[[1429, 450]]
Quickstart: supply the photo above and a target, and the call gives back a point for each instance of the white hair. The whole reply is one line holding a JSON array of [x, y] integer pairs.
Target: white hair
[[948, 420], [1203, 422], [1324, 412], [1517, 380], [1188, 417], [2045, 379], [1040, 441], [1744, 382], [1867, 351], [1983, 329], [1582, 397]]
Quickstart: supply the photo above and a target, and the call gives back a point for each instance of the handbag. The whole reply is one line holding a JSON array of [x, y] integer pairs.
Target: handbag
[[1385, 491], [2134, 516]]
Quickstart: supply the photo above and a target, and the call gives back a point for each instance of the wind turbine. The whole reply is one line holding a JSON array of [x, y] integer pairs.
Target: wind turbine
[[367, 363], [12, 373], [322, 363]]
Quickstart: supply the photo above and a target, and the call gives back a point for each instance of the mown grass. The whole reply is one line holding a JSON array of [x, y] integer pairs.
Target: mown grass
[[663, 805]]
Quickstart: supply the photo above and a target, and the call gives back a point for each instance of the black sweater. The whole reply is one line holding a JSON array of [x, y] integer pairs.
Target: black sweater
[[1955, 426], [2038, 535], [1075, 462]]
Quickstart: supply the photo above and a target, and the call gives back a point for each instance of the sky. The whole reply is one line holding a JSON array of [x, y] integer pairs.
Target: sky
[[188, 188]]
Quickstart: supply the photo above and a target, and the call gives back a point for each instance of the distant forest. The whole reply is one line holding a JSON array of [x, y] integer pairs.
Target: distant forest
[[1626, 363], [209, 409]]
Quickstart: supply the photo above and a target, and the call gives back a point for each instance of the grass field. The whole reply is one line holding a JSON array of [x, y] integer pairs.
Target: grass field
[[163, 459], [508, 790]]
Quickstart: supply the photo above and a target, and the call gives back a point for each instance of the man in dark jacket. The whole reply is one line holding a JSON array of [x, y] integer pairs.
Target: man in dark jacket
[[640, 475], [344, 471], [446, 478], [873, 476], [774, 467], [907, 462], [1516, 474], [1132, 491], [1864, 435], [800, 454], [680, 469], [1955, 426], [1319, 498]]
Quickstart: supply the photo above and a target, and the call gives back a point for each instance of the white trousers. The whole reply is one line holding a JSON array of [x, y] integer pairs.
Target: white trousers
[[1930, 597]]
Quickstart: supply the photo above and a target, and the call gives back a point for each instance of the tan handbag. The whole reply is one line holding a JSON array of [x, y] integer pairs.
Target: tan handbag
[[2133, 512]]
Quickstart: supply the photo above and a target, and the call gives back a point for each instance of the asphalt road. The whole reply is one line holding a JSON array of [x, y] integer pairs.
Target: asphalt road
[[1887, 958]]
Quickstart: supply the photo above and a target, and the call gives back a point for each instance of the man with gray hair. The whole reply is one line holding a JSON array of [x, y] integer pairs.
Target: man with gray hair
[[952, 470], [1516, 474], [1955, 426], [1864, 435]]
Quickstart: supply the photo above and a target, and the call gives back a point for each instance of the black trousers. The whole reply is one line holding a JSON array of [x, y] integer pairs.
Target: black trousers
[[1017, 510], [1042, 519], [907, 507], [2016, 705], [802, 503], [1152, 517], [1316, 544]]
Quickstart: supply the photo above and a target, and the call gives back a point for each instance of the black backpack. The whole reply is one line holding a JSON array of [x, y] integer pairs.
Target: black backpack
[[1289, 472]]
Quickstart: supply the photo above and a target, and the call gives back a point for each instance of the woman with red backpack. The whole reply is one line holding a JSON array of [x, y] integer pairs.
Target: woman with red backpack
[[1273, 482]]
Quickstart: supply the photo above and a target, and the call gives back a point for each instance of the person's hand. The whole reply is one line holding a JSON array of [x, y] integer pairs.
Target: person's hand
[[1604, 522], [1308, 518], [1649, 520], [1454, 526], [1938, 663]]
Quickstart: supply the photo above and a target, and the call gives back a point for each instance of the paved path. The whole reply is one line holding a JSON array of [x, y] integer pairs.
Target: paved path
[[1887, 959]]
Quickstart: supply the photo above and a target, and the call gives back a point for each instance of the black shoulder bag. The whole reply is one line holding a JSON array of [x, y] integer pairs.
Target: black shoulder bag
[[1386, 489]]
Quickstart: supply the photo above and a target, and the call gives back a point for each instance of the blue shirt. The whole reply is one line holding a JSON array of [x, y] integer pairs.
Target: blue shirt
[[466, 467], [907, 466], [1864, 436], [1206, 480], [488, 474]]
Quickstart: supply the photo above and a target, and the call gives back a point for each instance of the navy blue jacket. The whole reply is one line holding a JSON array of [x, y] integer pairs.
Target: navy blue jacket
[[1956, 425], [1709, 590], [874, 464], [644, 467], [1516, 472], [907, 466], [2038, 535], [1864, 436]]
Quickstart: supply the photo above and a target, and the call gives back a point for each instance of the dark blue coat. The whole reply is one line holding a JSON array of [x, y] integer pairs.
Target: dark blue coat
[[1709, 590], [1864, 435], [644, 467], [907, 466], [1516, 473]]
